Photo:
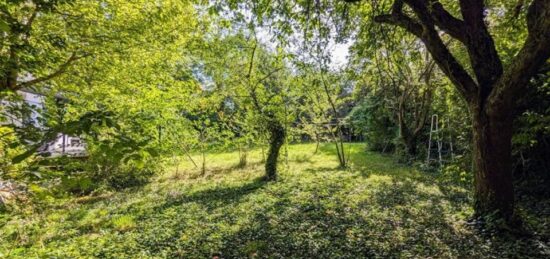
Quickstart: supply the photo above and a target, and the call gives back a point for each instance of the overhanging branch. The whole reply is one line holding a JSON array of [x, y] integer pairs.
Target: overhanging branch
[[447, 22], [424, 29], [530, 59], [60, 70]]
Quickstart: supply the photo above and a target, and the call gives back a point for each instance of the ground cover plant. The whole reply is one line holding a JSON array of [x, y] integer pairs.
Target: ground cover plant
[[375, 208], [274, 129]]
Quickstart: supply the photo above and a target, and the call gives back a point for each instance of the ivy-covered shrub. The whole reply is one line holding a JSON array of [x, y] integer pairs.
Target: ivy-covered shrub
[[11, 194], [11, 146]]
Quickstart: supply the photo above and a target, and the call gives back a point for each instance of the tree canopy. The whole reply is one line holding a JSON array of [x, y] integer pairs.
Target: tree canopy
[[165, 90]]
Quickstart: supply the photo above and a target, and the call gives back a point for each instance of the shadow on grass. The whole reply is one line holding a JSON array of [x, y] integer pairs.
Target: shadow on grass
[[399, 212], [195, 173], [324, 169], [387, 223], [390, 219], [214, 197], [159, 239], [302, 158], [290, 230], [405, 216]]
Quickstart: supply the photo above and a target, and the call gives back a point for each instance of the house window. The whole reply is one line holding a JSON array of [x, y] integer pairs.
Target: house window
[[75, 142]]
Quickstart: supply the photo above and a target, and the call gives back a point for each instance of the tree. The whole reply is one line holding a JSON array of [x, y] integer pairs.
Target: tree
[[143, 83], [33, 48], [493, 89], [324, 95], [404, 77], [255, 81], [267, 88], [490, 89]]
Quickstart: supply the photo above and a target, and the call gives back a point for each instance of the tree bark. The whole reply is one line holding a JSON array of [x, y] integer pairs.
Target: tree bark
[[410, 145], [276, 141], [492, 137], [409, 132]]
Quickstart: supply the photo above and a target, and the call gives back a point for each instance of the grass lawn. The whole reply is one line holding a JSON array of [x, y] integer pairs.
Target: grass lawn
[[374, 209]]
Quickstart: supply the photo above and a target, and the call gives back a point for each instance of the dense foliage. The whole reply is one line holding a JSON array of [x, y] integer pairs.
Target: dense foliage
[[452, 95]]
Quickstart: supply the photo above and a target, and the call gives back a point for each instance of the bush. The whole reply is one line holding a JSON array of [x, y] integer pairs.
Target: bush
[[78, 184], [373, 120], [132, 175], [122, 162], [123, 223], [10, 147], [10, 195], [531, 140]]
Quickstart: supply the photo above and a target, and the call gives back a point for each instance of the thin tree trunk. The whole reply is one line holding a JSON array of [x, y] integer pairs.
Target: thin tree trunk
[[343, 162], [203, 168], [203, 151], [191, 159], [316, 145], [337, 140], [242, 156], [339, 143]]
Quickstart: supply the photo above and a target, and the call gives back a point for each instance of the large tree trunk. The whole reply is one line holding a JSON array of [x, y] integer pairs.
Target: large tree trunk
[[495, 90], [494, 191], [276, 141]]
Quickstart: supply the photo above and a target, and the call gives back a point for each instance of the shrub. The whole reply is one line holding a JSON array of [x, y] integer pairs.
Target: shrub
[[374, 121], [132, 175], [122, 162], [10, 194], [78, 184]]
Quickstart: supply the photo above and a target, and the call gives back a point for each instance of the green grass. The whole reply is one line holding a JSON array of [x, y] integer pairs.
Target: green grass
[[376, 209]]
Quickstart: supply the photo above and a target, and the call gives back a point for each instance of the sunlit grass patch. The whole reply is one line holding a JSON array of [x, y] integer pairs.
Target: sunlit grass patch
[[374, 208], [123, 223]]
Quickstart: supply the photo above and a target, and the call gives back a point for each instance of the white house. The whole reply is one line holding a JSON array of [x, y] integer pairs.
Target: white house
[[63, 145]]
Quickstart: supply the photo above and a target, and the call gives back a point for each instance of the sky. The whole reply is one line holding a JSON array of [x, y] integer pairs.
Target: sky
[[339, 51], [340, 54]]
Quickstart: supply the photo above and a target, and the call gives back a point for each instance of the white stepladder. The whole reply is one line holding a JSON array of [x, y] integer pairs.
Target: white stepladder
[[437, 136]]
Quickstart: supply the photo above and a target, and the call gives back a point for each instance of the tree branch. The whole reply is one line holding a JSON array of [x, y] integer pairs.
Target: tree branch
[[425, 30], [483, 55], [402, 21], [54, 74], [251, 61], [447, 22], [30, 20], [533, 55]]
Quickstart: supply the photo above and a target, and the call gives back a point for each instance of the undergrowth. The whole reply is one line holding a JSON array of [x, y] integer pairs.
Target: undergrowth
[[375, 209]]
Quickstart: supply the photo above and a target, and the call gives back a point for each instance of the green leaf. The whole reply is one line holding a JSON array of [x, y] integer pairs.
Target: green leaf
[[19, 158], [4, 26]]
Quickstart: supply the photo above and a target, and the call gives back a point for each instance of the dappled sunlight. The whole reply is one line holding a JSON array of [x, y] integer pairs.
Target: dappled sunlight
[[274, 129], [377, 209]]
